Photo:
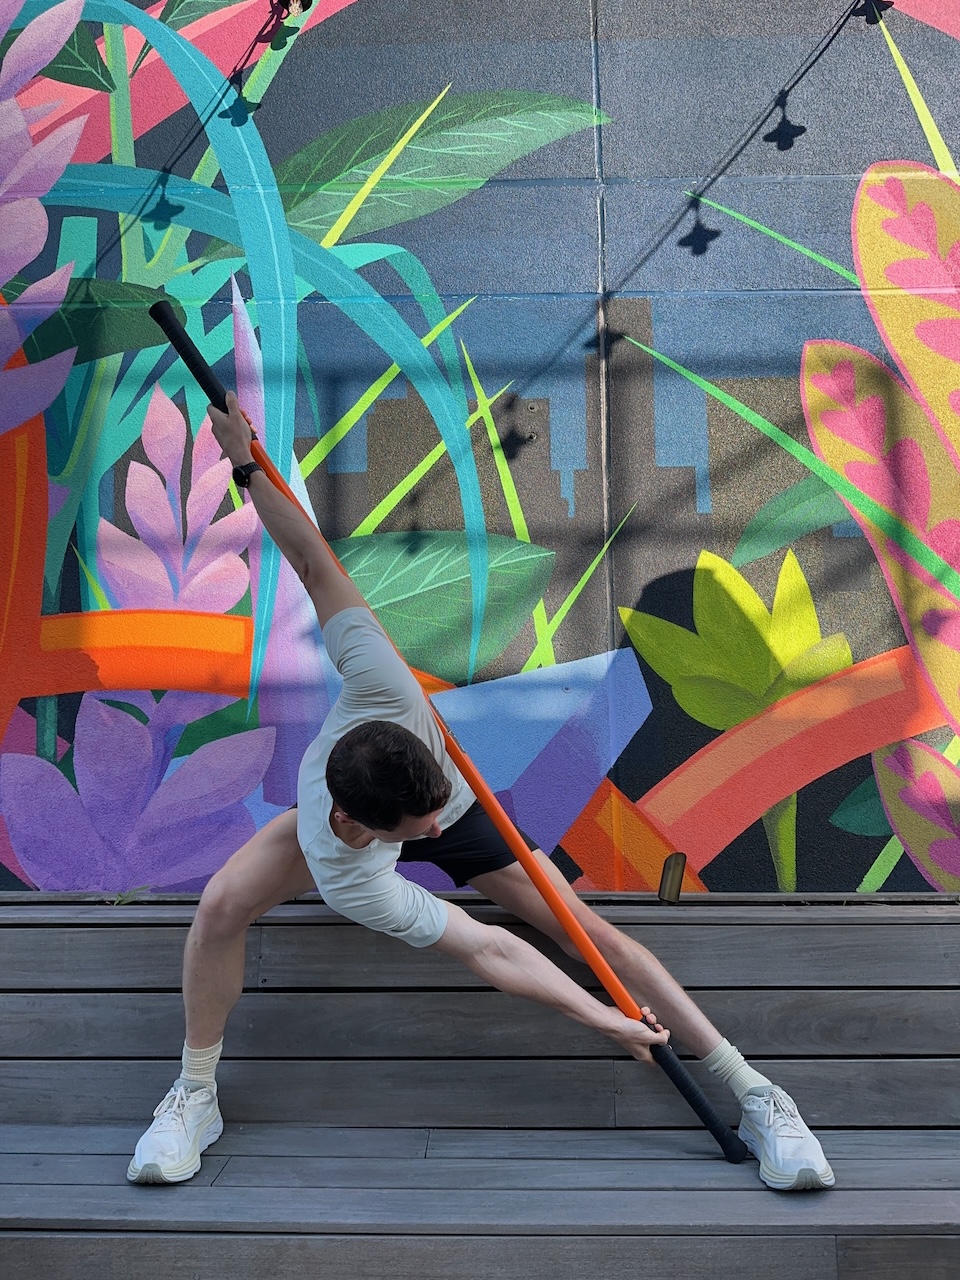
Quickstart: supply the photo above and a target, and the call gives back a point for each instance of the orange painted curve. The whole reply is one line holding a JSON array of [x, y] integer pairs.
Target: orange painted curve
[[729, 784]]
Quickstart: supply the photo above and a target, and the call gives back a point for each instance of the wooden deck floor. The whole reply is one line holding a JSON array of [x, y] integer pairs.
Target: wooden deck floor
[[355, 1070]]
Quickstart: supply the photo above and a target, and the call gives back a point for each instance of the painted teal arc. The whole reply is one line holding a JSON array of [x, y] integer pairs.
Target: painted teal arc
[[261, 228]]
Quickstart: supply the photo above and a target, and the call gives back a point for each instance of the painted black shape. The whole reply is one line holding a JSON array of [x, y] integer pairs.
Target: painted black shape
[[785, 134], [871, 10]]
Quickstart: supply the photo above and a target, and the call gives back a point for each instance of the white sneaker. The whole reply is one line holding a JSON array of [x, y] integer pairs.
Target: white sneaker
[[187, 1121], [791, 1158]]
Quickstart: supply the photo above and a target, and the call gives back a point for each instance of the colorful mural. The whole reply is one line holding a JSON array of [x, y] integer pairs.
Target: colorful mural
[[642, 460]]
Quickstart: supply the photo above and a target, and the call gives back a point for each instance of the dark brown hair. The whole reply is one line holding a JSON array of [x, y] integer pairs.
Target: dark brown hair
[[380, 773]]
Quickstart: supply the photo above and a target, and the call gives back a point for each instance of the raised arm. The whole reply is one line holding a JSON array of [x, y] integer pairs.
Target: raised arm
[[298, 539]]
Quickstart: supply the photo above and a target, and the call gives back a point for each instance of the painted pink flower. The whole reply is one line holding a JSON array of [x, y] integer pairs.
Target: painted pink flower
[[183, 558]]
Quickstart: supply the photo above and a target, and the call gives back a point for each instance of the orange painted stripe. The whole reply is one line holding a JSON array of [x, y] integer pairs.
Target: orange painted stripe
[[719, 792], [618, 848]]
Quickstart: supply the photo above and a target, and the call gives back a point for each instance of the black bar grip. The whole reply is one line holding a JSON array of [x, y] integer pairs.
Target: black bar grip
[[165, 316], [730, 1144]]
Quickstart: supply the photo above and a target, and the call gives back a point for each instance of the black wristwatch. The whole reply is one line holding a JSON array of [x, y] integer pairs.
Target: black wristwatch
[[241, 475]]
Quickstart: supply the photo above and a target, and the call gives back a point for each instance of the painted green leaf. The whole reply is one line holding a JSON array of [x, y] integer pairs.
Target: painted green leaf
[[78, 62], [794, 626], [180, 13], [816, 663], [467, 140], [862, 813], [732, 619], [716, 703], [418, 585], [803, 508], [672, 651], [100, 318]]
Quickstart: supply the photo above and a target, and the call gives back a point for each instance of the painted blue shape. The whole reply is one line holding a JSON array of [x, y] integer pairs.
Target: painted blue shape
[[548, 738], [350, 455], [737, 335]]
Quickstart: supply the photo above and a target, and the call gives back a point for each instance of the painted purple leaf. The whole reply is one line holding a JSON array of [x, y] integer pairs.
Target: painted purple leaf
[[38, 302], [217, 587], [204, 499], [220, 540], [114, 780], [248, 359], [8, 11], [39, 806], [29, 390], [35, 173], [38, 43], [23, 230]]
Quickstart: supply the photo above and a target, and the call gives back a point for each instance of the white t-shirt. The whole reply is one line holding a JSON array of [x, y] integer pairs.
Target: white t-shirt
[[364, 884]]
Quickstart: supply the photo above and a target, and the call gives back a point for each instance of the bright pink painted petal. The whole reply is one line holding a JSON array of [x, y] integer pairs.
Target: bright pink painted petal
[[204, 499], [944, 625], [891, 194], [219, 586], [165, 438], [926, 797], [899, 482], [131, 572], [916, 227], [840, 384], [864, 425], [946, 854], [945, 540], [36, 172], [37, 44], [942, 336]]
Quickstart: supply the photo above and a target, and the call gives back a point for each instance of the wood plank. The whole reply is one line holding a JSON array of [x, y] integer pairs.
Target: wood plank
[[406, 1093], [474, 1024], [100, 959], [701, 956], [886, 1093], [710, 1174], [866, 1258], [95, 1256], [241, 1139], [452, 1212], [674, 1144], [86, 1170]]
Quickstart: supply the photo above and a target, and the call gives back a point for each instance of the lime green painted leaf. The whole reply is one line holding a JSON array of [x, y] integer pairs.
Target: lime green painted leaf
[[862, 812], [466, 141], [816, 663], [732, 620], [806, 506], [672, 651], [716, 703], [100, 318], [418, 585], [794, 625]]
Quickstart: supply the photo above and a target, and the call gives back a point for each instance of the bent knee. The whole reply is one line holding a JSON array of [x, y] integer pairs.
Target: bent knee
[[224, 910]]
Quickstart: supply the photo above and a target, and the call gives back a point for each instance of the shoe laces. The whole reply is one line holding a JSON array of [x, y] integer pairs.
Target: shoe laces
[[169, 1114], [782, 1114]]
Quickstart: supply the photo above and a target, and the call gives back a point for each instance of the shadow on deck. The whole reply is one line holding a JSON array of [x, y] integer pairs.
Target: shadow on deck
[[387, 1115]]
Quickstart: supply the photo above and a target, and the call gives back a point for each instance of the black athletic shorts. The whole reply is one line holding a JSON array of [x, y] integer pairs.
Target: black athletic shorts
[[471, 847]]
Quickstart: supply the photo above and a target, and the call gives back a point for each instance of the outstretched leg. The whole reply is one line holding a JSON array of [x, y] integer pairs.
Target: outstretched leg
[[791, 1158]]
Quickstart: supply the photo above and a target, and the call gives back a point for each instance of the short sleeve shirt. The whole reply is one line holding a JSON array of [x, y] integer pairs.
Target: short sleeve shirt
[[364, 884]]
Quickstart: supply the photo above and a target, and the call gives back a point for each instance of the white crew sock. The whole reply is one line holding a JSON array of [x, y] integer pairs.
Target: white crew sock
[[200, 1064], [727, 1062]]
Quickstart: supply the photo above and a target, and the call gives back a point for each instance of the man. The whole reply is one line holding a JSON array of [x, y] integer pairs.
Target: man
[[377, 787]]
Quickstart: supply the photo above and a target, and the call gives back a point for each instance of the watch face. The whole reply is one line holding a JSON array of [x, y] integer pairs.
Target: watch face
[[241, 477]]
